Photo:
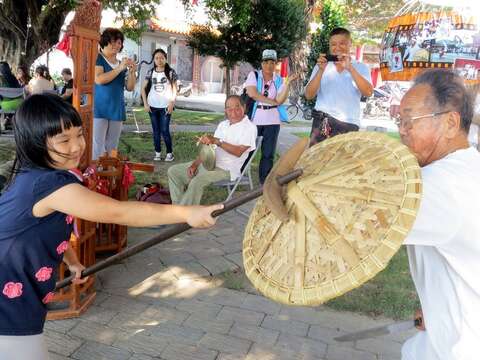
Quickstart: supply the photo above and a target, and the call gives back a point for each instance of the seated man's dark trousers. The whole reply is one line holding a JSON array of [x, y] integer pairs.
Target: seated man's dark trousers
[[325, 126]]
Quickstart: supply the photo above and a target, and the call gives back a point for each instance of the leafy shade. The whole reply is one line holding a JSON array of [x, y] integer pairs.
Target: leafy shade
[[29, 28], [274, 24], [369, 18], [224, 12], [332, 16]]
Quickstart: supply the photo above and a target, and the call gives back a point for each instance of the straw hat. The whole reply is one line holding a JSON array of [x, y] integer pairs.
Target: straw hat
[[349, 213], [206, 153]]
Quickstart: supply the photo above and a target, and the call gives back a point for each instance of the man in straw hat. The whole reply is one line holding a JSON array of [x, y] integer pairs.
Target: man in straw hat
[[443, 245], [234, 139]]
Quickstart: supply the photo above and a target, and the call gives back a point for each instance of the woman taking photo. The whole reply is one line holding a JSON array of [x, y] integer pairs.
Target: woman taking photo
[[159, 91], [109, 100]]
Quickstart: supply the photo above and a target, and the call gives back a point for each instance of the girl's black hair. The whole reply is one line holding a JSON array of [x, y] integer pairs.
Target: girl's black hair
[[6, 73], [38, 118], [167, 70], [110, 35]]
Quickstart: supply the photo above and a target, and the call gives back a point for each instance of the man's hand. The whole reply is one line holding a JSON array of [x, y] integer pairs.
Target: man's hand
[[201, 216], [322, 62], [207, 139], [147, 107], [419, 315], [192, 170], [345, 62]]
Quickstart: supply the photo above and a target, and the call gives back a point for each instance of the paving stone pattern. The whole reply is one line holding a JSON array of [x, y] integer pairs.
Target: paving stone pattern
[[163, 304]]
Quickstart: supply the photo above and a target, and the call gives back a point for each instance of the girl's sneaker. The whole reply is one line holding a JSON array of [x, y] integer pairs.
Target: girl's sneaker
[[169, 157], [158, 156]]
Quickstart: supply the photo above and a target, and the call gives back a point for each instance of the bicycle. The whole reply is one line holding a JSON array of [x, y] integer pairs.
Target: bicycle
[[297, 106]]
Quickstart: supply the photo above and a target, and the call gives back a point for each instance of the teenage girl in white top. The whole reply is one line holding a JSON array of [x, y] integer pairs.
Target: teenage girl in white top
[[159, 91]]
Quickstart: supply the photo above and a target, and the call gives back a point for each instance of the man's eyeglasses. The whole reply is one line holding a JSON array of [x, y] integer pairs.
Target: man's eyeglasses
[[407, 123], [265, 90]]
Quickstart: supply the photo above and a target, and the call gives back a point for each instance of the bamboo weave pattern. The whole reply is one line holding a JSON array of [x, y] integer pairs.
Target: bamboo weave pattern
[[349, 213]]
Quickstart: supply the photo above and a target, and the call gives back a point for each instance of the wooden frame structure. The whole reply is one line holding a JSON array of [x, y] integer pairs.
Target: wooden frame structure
[[84, 36]]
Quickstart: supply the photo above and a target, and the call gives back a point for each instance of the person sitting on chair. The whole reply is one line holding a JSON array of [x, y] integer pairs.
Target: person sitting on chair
[[234, 139]]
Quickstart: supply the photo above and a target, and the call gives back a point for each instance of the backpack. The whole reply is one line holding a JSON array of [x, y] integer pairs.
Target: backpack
[[154, 193], [248, 101]]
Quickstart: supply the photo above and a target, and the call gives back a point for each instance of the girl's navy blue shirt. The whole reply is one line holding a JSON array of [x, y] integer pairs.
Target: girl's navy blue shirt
[[31, 249]]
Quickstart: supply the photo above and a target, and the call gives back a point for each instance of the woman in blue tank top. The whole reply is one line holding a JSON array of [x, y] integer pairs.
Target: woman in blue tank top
[[109, 100]]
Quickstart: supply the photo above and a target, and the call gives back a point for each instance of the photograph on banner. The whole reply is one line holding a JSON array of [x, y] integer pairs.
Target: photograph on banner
[[395, 61], [467, 68], [387, 42]]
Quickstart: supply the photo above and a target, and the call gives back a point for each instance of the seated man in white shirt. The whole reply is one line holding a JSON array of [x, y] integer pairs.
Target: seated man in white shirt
[[234, 139], [444, 243]]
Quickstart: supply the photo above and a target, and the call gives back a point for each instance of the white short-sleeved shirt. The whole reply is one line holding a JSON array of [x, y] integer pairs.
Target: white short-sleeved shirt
[[265, 116], [161, 92], [241, 133], [338, 95], [444, 254]]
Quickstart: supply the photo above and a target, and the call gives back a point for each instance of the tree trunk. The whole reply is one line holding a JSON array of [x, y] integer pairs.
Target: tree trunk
[[298, 57], [227, 79], [28, 28]]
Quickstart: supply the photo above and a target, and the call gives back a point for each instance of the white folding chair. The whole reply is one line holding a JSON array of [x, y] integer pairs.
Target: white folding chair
[[245, 177]]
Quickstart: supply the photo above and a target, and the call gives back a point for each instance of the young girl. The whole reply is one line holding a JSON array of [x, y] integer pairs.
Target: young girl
[[34, 229], [159, 91]]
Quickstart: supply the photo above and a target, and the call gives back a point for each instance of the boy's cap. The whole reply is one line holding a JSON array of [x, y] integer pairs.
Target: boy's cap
[[269, 54]]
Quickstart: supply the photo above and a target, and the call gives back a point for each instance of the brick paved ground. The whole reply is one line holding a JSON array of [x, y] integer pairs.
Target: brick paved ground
[[163, 304]]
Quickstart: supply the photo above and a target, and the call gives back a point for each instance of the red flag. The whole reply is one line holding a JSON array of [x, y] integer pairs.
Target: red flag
[[284, 68], [64, 44]]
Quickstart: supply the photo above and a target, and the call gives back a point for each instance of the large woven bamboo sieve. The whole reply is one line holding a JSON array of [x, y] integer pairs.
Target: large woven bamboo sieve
[[349, 213]]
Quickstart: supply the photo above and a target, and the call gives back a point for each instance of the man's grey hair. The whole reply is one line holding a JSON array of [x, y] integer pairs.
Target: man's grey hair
[[238, 97], [449, 93]]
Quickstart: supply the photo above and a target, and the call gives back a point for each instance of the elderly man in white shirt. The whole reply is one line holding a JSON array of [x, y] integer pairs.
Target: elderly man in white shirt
[[444, 243], [234, 139]]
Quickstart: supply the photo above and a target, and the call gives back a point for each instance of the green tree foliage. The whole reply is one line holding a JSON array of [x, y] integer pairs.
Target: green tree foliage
[[242, 35], [28, 28], [226, 12], [369, 18], [332, 16]]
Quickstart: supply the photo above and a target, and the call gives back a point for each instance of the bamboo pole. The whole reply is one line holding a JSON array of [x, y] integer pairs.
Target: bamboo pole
[[173, 230]]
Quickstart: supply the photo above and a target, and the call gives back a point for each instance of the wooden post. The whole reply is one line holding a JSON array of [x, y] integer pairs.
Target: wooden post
[[73, 300]]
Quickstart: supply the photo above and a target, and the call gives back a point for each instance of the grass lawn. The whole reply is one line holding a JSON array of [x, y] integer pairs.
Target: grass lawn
[[7, 151], [181, 117], [190, 117]]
